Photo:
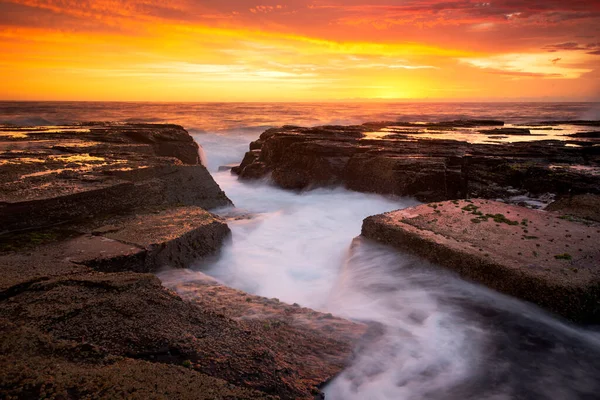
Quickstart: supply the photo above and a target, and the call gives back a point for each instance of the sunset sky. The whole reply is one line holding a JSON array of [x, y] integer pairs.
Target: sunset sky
[[239, 50]]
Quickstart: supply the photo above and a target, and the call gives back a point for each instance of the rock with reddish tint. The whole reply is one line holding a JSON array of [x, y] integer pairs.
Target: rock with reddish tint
[[54, 175], [133, 317], [586, 206], [173, 238], [399, 159], [88, 209], [534, 255], [38, 365]]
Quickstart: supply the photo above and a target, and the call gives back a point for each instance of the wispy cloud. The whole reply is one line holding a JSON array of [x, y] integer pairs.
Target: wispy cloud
[[530, 65], [348, 48]]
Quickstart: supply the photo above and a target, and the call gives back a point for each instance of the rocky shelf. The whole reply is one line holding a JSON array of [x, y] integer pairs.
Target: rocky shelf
[[547, 258], [402, 159], [86, 212]]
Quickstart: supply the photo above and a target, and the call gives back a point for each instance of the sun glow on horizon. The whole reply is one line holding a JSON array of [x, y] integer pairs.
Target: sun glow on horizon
[[183, 50]]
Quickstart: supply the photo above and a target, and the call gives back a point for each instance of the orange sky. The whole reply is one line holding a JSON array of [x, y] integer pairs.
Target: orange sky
[[220, 50]]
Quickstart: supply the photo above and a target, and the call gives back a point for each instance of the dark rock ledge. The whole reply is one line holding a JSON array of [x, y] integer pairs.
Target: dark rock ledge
[[385, 158], [86, 211]]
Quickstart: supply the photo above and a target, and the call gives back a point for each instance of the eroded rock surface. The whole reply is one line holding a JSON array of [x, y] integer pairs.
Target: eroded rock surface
[[402, 159], [534, 255], [58, 174], [37, 365], [133, 316], [88, 210]]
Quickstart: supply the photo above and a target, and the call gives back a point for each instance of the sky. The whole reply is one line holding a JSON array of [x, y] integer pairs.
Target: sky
[[300, 50]]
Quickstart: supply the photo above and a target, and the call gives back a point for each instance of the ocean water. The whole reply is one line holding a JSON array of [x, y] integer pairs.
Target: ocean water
[[439, 337], [243, 117]]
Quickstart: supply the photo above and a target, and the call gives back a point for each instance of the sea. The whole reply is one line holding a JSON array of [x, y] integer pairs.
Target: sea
[[441, 337]]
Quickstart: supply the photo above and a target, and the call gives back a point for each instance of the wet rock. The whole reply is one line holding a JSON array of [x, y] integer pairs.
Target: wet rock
[[460, 123], [573, 122], [171, 238], [37, 365], [84, 206], [227, 167], [534, 255], [585, 206], [507, 131], [132, 316], [586, 135], [428, 169], [54, 175], [205, 291]]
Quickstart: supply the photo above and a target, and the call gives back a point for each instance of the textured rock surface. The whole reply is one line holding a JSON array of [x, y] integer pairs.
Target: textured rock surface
[[533, 255], [58, 174], [37, 365], [87, 210], [132, 315], [586, 206], [401, 159]]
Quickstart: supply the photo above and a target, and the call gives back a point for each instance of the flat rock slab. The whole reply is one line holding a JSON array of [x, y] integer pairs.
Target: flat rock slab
[[174, 237], [534, 255], [50, 175], [205, 291], [142, 242]]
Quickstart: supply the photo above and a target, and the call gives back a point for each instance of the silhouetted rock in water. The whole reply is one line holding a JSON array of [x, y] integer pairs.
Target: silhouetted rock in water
[[87, 209], [428, 169], [590, 135], [534, 255], [574, 122], [459, 123], [506, 131], [586, 206]]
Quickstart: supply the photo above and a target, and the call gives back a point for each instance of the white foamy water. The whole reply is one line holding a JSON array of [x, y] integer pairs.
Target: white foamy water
[[432, 336]]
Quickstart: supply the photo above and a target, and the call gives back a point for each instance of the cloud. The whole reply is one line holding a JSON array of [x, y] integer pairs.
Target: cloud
[[573, 46], [534, 65], [461, 12], [408, 43], [564, 46], [524, 74]]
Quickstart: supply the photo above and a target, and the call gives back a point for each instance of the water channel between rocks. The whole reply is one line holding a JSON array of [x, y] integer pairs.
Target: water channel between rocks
[[439, 336]]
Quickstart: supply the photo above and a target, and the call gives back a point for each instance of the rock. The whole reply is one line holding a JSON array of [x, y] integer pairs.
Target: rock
[[87, 204], [204, 291], [37, 365], [429, 169], [132, 316], [228, 167], [573, 122], [459, 123], [534, 255], [586, 135], [506, 131], [54, 175], [171, 238], [586, 206]]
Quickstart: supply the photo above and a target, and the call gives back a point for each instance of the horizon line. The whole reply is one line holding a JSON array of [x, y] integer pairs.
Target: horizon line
[[366, 100]]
